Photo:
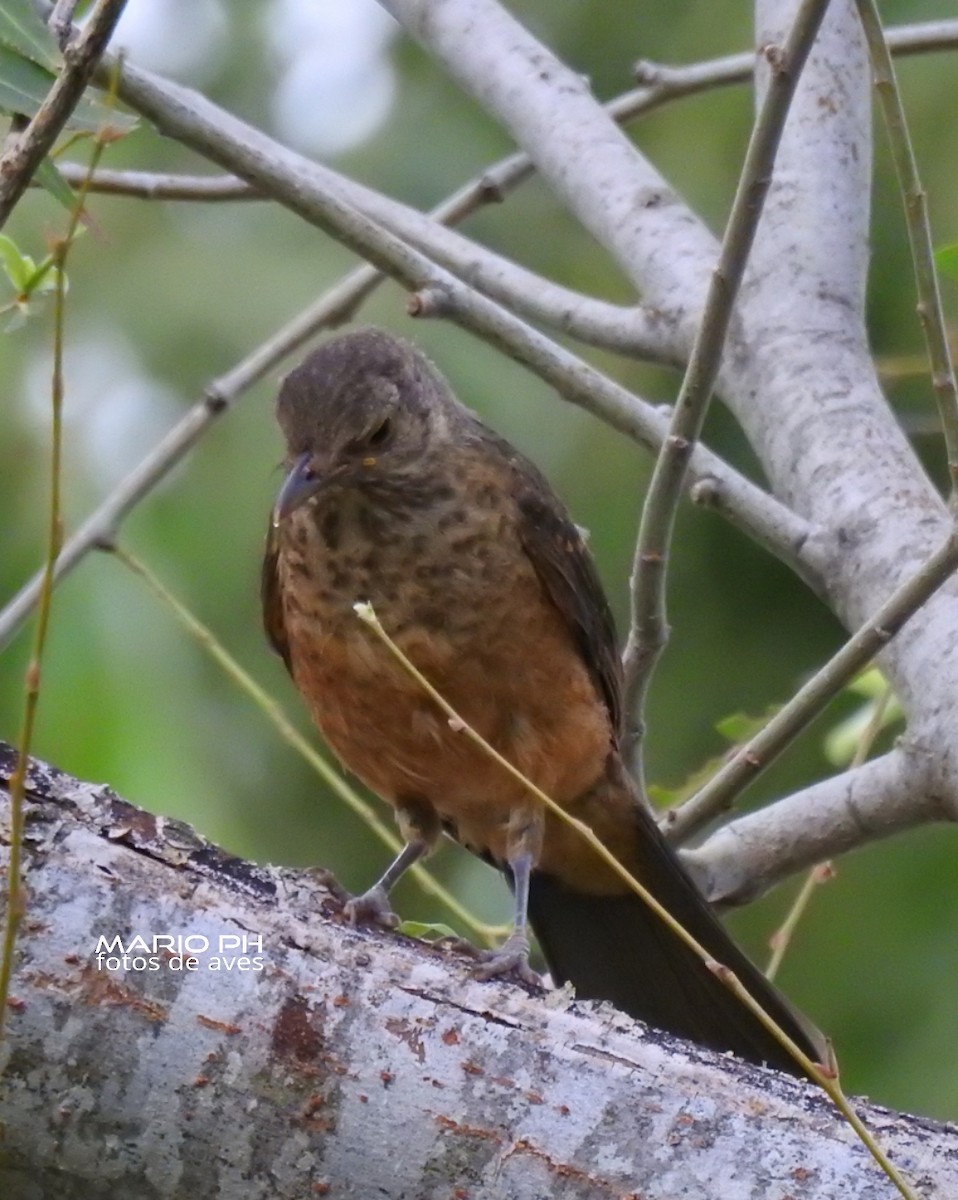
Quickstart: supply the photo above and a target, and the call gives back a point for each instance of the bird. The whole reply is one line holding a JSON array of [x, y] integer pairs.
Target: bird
[[397, 495]]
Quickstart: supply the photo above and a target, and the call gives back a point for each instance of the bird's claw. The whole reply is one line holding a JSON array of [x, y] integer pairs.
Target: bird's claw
[[511, 958], [371, 908]]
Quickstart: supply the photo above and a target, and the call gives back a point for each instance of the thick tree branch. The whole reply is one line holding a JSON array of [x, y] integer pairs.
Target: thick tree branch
[[648, 631], [749, 856], [355, 1064], [805, 388], [576, 146]]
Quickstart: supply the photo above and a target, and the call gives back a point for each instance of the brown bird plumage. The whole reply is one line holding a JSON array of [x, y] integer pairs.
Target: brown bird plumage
[[397, 495]]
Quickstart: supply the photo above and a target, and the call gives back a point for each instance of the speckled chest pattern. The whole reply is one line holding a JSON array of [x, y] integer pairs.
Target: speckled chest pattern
[[421, 557], [443, 566]]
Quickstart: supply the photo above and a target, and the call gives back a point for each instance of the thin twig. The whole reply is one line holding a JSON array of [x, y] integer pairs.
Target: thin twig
[[291, 735], [826, 1079], [22, 158], [781, 939], [919, 237], [16, 898], [648, 632], [161, 185], [661, 83], [757, 754]]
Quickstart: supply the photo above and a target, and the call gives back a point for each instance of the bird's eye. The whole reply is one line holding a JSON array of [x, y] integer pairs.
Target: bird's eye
[[380, 434]]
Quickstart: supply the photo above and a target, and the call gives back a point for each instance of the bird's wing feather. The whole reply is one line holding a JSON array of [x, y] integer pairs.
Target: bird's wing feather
[[270, 593], [562, 561]]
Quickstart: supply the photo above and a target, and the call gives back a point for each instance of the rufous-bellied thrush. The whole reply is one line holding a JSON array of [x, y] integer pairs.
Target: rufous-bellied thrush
[[396, 494]]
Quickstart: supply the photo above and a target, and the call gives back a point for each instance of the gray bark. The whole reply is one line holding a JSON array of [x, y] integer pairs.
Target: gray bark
[[355, 1063]]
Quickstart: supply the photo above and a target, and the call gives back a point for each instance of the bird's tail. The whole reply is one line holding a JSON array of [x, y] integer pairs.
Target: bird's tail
[[615, 948]]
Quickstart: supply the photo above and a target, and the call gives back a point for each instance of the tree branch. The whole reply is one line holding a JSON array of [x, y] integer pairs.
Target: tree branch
[[805, 389], [351, 1062], [21, 159], [576, 146], [747, 763], [749, 856], [661, 82], [648, 630], [308, 186]]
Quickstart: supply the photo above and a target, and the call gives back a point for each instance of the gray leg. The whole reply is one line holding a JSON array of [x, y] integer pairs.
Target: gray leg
[[419, 825], [373, 905], [512, 957]]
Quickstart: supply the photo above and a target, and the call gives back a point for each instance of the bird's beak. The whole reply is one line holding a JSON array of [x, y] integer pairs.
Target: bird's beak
[[301, 483]]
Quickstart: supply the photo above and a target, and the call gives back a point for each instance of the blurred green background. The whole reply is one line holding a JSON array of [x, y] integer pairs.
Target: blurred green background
[[164, 297]]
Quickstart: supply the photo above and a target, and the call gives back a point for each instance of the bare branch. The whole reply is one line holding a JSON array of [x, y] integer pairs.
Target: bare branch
[[648, 631], [748, 856], [592, 166], [760, 751], [307, 186], [661, 83], [160, 185], [340, 1036], [28, 150]]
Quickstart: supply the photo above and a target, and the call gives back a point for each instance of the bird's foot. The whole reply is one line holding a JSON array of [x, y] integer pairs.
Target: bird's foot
[[371, 908], [511, 958]]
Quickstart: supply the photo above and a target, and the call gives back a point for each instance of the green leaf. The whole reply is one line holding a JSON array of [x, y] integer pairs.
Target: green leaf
[[18, 268], [425, 932], [736, 728], [871, 684], [22, 29], [946, 260], [44, 277], [27, 279], [842, 741], [23, 84], [52, 181], [740, 727]]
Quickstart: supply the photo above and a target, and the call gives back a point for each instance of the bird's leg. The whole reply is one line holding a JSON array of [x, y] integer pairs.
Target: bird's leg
[[523, 849], [419, 824]]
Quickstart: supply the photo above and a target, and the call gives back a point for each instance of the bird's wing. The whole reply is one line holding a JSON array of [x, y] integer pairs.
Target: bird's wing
[[273, 617], [562, 561]]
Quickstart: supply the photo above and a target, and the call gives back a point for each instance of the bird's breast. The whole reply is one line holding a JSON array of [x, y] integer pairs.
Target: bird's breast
[[462, 601]]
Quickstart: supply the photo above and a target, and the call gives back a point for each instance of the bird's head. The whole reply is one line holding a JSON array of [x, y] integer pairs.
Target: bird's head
[[364, 410]]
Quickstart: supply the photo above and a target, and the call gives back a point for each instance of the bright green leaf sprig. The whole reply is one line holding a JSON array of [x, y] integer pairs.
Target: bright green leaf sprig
[[946, 260], [878, 707], [29, 280]]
